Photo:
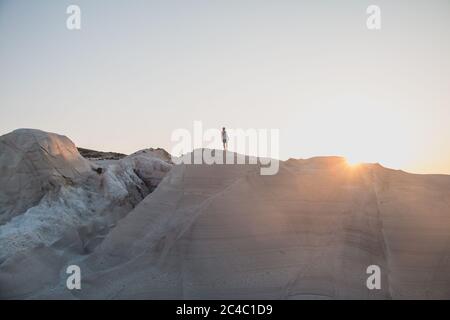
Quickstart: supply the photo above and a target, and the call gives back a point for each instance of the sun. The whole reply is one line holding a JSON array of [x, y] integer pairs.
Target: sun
[[353, 162]]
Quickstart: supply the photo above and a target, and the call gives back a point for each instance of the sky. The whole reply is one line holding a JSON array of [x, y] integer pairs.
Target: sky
[[138, 70]]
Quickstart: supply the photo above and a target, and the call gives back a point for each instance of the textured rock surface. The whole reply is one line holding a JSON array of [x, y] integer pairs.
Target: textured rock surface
[[50, 195], [32, 163], [224, 231]]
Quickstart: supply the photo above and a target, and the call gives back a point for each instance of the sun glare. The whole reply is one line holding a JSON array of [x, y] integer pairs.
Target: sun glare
[[353, 163]]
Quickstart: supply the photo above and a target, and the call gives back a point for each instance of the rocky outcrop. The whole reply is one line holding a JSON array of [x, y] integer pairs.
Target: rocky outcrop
[[49, 192], [309, 232], [228, 232], [33, 163], [100, 155]]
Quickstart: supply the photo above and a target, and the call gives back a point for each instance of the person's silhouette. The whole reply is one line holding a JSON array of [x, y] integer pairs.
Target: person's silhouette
[[224, 139]]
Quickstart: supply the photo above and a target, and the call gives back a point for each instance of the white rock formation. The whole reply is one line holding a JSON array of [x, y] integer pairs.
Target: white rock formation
[[32, 163], [49, 193], [225, 231]]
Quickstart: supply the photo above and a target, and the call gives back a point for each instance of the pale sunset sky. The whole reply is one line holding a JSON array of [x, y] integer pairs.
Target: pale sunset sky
[[137, 70]]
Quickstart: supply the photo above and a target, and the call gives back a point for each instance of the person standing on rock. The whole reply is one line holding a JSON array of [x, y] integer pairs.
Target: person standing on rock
[[225, 139]]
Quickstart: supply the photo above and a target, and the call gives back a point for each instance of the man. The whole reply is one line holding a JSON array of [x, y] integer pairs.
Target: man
[[224, 139]]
